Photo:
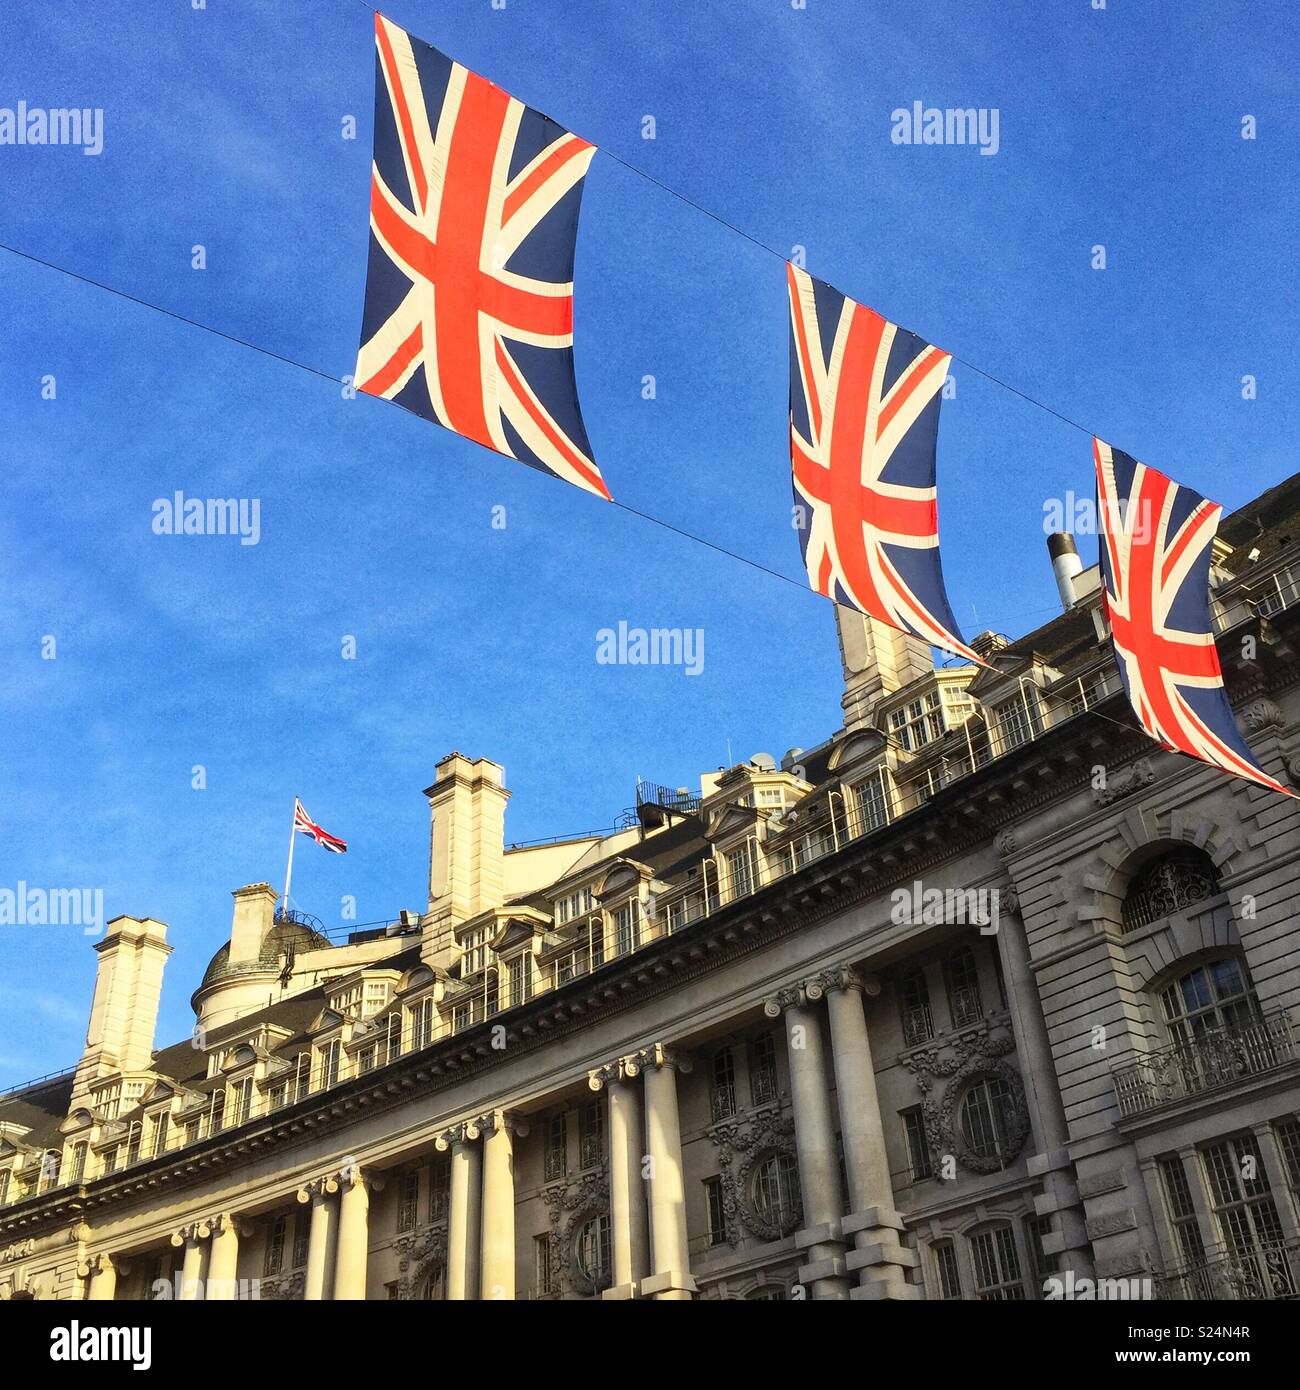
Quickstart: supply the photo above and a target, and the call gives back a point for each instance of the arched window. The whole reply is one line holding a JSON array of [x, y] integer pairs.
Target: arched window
[[1179, 879], [766, 1293], [914, 1000], [1214, 998], [987, 1119], [776, 1189]]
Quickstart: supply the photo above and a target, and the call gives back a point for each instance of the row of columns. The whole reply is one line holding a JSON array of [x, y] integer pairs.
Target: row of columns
[[338, 1233], [858, 1255], [651, 1255], [481, 1218]]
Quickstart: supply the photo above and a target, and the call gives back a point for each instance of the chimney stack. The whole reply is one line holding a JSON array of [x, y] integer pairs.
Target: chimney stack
[[124, 1012], [1066, 565], [467, 855], [251, 925], [877, 660]]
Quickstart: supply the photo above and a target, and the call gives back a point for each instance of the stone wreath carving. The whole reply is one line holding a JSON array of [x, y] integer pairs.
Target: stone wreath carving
[[571, 1205], [974, 1055], [742, 1146], [417, 1256]]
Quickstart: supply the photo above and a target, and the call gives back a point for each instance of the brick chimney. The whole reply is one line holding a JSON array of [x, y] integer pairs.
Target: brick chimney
[[124, 1012], [877, 661], [467, 803]]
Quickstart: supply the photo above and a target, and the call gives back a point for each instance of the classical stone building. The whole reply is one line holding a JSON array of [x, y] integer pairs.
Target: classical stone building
[[983, 992]]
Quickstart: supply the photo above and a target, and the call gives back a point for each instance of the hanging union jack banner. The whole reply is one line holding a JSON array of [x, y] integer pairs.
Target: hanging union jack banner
[[468, 316], [864, 419], [1157, 539]]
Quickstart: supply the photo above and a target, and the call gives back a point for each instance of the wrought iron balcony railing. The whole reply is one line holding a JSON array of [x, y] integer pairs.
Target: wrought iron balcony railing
[[1208, 1063], [1266, 1272]]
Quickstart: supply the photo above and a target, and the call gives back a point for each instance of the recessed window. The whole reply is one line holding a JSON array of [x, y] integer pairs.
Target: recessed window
[[717, 1212], [1206, 1002], [543, 1266], [965, 1004], [918, 1146], [591, 1134], [740, 871], [997, 1265], [408, 1204], [1242, 1200], [873, 809], [1182, 1214], [914, 1000], [557, 1147], [762, 1069], [421, 1024], [945, 1263], [274, 1260], [724, 1084]]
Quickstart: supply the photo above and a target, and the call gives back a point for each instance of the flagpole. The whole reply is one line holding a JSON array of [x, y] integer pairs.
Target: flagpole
[[288, 871]]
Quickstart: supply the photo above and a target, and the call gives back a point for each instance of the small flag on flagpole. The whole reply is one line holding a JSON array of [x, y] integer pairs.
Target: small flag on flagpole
[[304, 824]]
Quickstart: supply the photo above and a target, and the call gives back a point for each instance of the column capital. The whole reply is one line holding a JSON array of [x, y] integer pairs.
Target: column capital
[[317, 1187], [463, 1133], [100, 1264], [846, 977], [508, 1120], [793, 996], [660, 1055], [194, 1231], [352, 1174], [620, 1069], [230, 1221]]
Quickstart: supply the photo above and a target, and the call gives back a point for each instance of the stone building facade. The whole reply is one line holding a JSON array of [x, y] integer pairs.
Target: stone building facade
[[986, 996]]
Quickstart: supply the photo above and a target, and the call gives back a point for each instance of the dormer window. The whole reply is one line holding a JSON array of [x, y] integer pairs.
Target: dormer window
[[1019, 720], [241, 1101], [422, 1024], [158, 1126], [919, 722], [518, 974], [870, 803], [79, 1151], [627, 927], [474, 947], [740, 871], [575, 905], [4, 1186], [329, 1063]]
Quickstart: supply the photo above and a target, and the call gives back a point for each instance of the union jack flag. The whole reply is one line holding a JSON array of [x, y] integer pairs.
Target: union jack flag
[[468, 317], [303, 824], [1157, 539], [864, 419]]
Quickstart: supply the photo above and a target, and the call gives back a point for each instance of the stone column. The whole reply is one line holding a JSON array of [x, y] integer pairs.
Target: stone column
[[464, 1223], [320, 1238], [627, 1204], [223, 1259], [192, 1238], [879, 1256], [819, 1171], [1052, 1164], [103, 1279], [354, 1233], [671, 1279], [498, 1216], [1275, 1173]]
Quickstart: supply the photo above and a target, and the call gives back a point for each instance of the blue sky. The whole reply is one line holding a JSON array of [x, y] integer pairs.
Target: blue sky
[[222, 128]]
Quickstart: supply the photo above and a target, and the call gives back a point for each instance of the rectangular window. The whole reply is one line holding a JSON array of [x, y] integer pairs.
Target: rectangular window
[[625, 928], [945, 1263], [1182, 1214], [78, 1163], [461, 1018], [919, 722], [409, 1201], [1018, 720], [301, 1239], [557, 1143], [474, 957], [724, 1084], [591, 1134], [1288, 1140], [241, 1101], [439, 1189], [421, 1024], [740, 871], [4, 1186], [519, 973], [302, 1078], [368, 1059], [762, 1070], [596, 941], [1243, 1203], [965, 1003], [717, 1211], [134, 1138], [329, 1064], [275, 1247], [277, 1097], [110, 1160], [918, 1146], [873, 811], [1036, 1227], [543, 1274], [997, 1266], [158, 1138]]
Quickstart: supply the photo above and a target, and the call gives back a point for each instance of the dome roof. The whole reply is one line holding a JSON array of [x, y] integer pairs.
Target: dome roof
[[286, 935]]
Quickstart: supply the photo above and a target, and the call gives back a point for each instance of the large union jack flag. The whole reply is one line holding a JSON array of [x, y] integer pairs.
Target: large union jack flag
[[864, 420], [1157, 539], [474, 202]]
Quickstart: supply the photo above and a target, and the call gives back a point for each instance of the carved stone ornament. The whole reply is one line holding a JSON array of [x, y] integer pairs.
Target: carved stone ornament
[[973, 1056], [742, 1145], [1007, 843], [1293, 769], [571, 1205], [1261, 714], [1125, 782], [283, 1288], [418, 1255]]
